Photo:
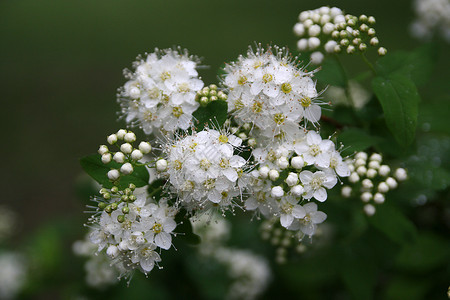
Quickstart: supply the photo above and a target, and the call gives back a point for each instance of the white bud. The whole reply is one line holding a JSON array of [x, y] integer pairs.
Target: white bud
[[113, 175], [376, 157], [351, 49], [307, 23], [112, 139], [383, 187], [360, 162], [251, 142], [273, 175], [283, 162], [121, 134], [145, 147], [315, 17], [314, 30], [362, 155], [400, 174], [277, 192], [324, 10], [371, 20], [378, 198], [136, 154], [135, 92], [297, 190], [103, 149], [374, 164], [371, 31], [391, 182], [304, 15], [346, 191], [264, 171], [353, 178], [129, 137], [292, 179], [371, 173], [367, 183], [126, 168], [382, 51], [123, 246], [112, 251], [302, 44], [161, 165], [361, 170], [374, 41], [334, 11], [350, 165], [313, 43], [384, 170], [119, 157], [126, 148], [366, 196], [328, 28], [299, 29], [339, 19], [106, 158], [330, 45], [317, 57], [297, 162], [325, 19], [369, 209]]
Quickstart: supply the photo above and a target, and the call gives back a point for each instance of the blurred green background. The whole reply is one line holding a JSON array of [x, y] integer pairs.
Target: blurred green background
[[61, 63]]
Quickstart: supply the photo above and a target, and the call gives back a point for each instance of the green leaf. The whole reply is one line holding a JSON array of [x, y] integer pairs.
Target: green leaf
[[93, 165], [155, 189], [212, 115], [355, 139], [399, 99], [394, 224], [418, 64], [331, 73]]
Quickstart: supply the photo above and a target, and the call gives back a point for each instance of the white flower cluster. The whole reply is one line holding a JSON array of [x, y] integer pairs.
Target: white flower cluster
[[126, 157], [267, 89], [160, 93], [432, 15], [13, 274], [131, 228], [250, 273], [203, 169], [290, 175], [371, 179], [327, 30], [99, 271]]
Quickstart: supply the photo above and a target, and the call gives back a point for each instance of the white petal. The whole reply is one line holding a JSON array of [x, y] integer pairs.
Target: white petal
[[318, 217], [298, 212], [306, 177], [320, 194], [286, 220], [163, 240]]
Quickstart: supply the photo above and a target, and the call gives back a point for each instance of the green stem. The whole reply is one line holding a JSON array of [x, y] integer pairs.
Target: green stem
[[371, 67]]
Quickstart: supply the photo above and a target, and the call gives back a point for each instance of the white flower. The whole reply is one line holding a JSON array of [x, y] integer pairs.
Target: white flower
[[315, 184], [312, 217], [146, 257], [290, 210]]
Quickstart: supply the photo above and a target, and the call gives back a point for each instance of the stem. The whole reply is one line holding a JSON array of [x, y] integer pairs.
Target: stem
[[369, 64]]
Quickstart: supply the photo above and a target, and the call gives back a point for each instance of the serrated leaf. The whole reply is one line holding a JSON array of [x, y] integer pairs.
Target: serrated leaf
[[355, 139], [93, 165], [394, 224], [212, 115], [399, 99]]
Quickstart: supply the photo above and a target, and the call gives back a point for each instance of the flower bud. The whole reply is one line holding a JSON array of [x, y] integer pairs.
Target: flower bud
[[119, 157], [106, 196], [346, 191], [383, 187], [277, 192], [251, 142], [363, 27], [297, 162], [136, 154], [112, 139], [308, 23], [328, 28], [363, 18], [145, 147], [161, 165], [360, 162], [374, 41], [362, 47], [317, 57], [378, 198], [264, 172], [129, 137], [353, 178], [121, 134], [329, 46], [242, 136], [120, 218], [361, 155], [367, 184], [400, 174], [106, 158], [126, 148], [366, 196], [391, 182], [283, 162], [273, 175], [371, 173], [302, 44], [382, 51], [113, 175], [112, 251], [371, 20], [313, 43], [102, 150], [361, 171], [292, 179], [314, 30], [351, 49], [369, 210], [114, 206], [125, 209], [374, 164], [297, 190], [384, 170], [126, 169], [114, 190], [299, 29], [102, 205]]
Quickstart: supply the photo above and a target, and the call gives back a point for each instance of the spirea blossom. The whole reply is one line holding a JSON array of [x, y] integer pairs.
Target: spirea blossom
[[160, 92], [270, 91], [204, 170], [432, 16]]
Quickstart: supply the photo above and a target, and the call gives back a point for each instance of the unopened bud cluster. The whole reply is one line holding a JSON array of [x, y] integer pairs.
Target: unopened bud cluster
[[329, 30], [209, 94], [370, 180], [127, 156]]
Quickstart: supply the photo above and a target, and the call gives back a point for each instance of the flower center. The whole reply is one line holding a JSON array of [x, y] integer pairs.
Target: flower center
[[224, 163], [183, 87], [223, 138], [238, 104], [205, 164], [267, 78], [286, 88], [153, 93], [305, 102], [314, 150], [279, 118], [165, 76], [177, 111], [242, 80], [209, 183], [287, 207], [157, 228], [257, 107], [177, 165], [316, 182]]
